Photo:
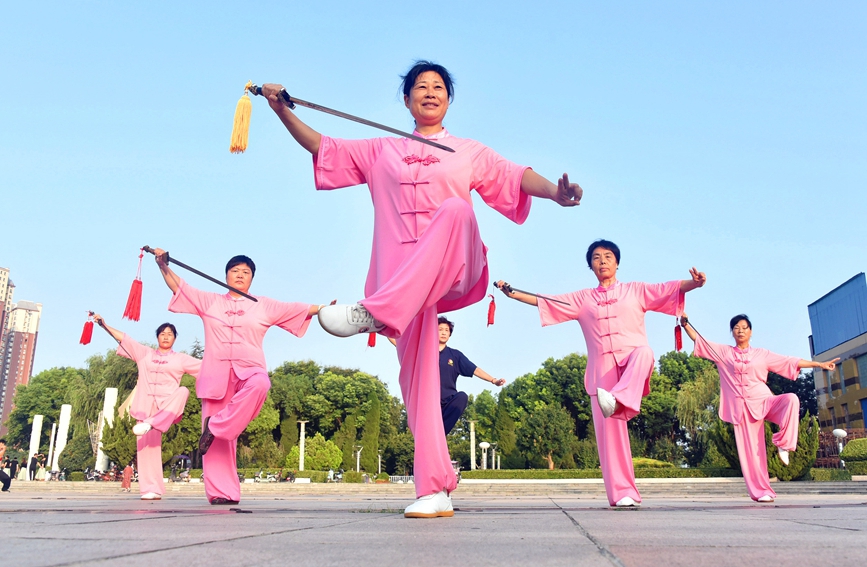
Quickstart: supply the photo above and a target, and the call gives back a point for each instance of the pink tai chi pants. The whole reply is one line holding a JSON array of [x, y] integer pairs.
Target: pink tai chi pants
[[750, 437], [230, 416], [627, 383], [149, 446], [445, 264]]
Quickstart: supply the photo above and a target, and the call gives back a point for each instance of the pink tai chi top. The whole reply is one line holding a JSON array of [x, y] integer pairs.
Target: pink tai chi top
[[612, 320], [743, 377], [408, 181], [159, 375], [234, 330]]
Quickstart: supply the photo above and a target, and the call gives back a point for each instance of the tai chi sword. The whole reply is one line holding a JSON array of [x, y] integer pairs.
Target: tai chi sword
[[510, 289], [198, 273], [292, 101]]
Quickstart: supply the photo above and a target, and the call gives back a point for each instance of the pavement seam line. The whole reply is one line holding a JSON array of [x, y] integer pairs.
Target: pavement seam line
[[189, 545], [603, 550]]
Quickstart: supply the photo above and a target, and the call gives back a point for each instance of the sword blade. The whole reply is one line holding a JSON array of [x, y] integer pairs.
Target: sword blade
[[545, 297], [291, 101]]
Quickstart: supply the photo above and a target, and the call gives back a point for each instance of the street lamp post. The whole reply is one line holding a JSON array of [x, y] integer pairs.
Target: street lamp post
[[472, 445], [301, 447], [358, 449], [484, 446], [379, 452]]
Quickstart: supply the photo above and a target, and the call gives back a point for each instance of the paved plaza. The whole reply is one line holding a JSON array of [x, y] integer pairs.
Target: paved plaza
[[563, 524]]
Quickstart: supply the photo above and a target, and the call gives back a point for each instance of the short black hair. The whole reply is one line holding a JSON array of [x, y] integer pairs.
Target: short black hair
[[3, 441], [605, 245], [165, 326], [423, 66], [737, 319], [241, 259], [443, 321]]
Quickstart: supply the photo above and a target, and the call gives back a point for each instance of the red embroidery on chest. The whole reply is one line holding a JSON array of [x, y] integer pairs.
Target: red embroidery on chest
[[427, 160], [160, 361], [607, 302], [238, 313]]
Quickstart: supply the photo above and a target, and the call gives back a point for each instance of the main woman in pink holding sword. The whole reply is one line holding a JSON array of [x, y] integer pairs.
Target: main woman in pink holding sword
[[428, 256]]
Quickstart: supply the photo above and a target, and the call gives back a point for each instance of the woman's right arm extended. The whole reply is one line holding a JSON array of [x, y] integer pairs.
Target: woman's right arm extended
[[306, 136], [118, 336]]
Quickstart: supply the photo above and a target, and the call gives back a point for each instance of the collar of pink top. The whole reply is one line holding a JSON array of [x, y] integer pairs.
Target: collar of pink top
[[439, 135], [612, 286]]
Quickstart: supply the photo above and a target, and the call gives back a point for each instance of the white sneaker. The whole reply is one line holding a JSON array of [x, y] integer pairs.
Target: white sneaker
[[348, 320], [437, 505], [141, 428], [626, 501], [607, 402], [784, 456], [766, 498], [151, 496]]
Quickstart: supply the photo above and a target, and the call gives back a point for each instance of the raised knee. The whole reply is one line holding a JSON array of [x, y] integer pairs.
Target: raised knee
[[260, 382]]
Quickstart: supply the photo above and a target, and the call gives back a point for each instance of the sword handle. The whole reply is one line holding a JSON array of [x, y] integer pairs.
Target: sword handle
[[287, 100]]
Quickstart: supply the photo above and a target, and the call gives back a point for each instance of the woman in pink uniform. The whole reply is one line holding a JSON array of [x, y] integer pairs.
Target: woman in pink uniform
[[428, 257], [619, 359], [233, 383], [746, 401], [159, 399]]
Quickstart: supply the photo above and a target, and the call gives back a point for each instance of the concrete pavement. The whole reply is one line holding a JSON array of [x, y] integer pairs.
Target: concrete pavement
[[97, 525]]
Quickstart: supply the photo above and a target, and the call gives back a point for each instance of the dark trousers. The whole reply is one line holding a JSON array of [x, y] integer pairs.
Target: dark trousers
[[453, 409], [5, 480]]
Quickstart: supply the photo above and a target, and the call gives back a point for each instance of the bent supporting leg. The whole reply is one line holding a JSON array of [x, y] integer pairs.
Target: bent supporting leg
[[149, 453], [615, 456], [753, 456], [420, 385]]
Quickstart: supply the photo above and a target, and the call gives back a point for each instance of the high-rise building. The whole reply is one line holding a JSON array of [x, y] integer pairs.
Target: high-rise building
[[19, 328], [839, 324]]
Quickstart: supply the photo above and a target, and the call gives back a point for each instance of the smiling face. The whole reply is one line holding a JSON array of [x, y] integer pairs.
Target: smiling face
[[603, 263], [240, 277], [428, 100], [742, 333]]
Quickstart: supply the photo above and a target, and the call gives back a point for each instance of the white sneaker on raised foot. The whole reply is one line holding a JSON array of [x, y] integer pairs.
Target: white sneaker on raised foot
[[766, 498], [784, 456], [607, 402], [141, 428], [151, 496], [348, 320], [626, 501], [437, 505]]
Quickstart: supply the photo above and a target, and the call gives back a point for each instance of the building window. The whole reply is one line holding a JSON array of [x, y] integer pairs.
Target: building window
[[862, 369]]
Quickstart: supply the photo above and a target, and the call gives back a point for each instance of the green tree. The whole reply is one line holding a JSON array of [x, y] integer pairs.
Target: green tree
[[319, 454], [697, 409], [345, 439], [78, 453], [43, 395], [183, 437], [504, 429], [804, 387], [370, 437], [119, 442], [802, 458], [258, 438], [547, 433]]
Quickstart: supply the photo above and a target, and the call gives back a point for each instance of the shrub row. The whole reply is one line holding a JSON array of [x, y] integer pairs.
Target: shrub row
[[826, 475], [855, 450], [640, 472], [856, 467]]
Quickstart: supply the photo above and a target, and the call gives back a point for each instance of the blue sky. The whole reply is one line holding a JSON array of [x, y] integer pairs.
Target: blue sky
[[730, 137]]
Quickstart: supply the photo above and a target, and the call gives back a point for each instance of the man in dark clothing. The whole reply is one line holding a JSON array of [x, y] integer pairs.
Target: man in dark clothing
[[453, 363], [34, 466], [4, 478], [13, 468]]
